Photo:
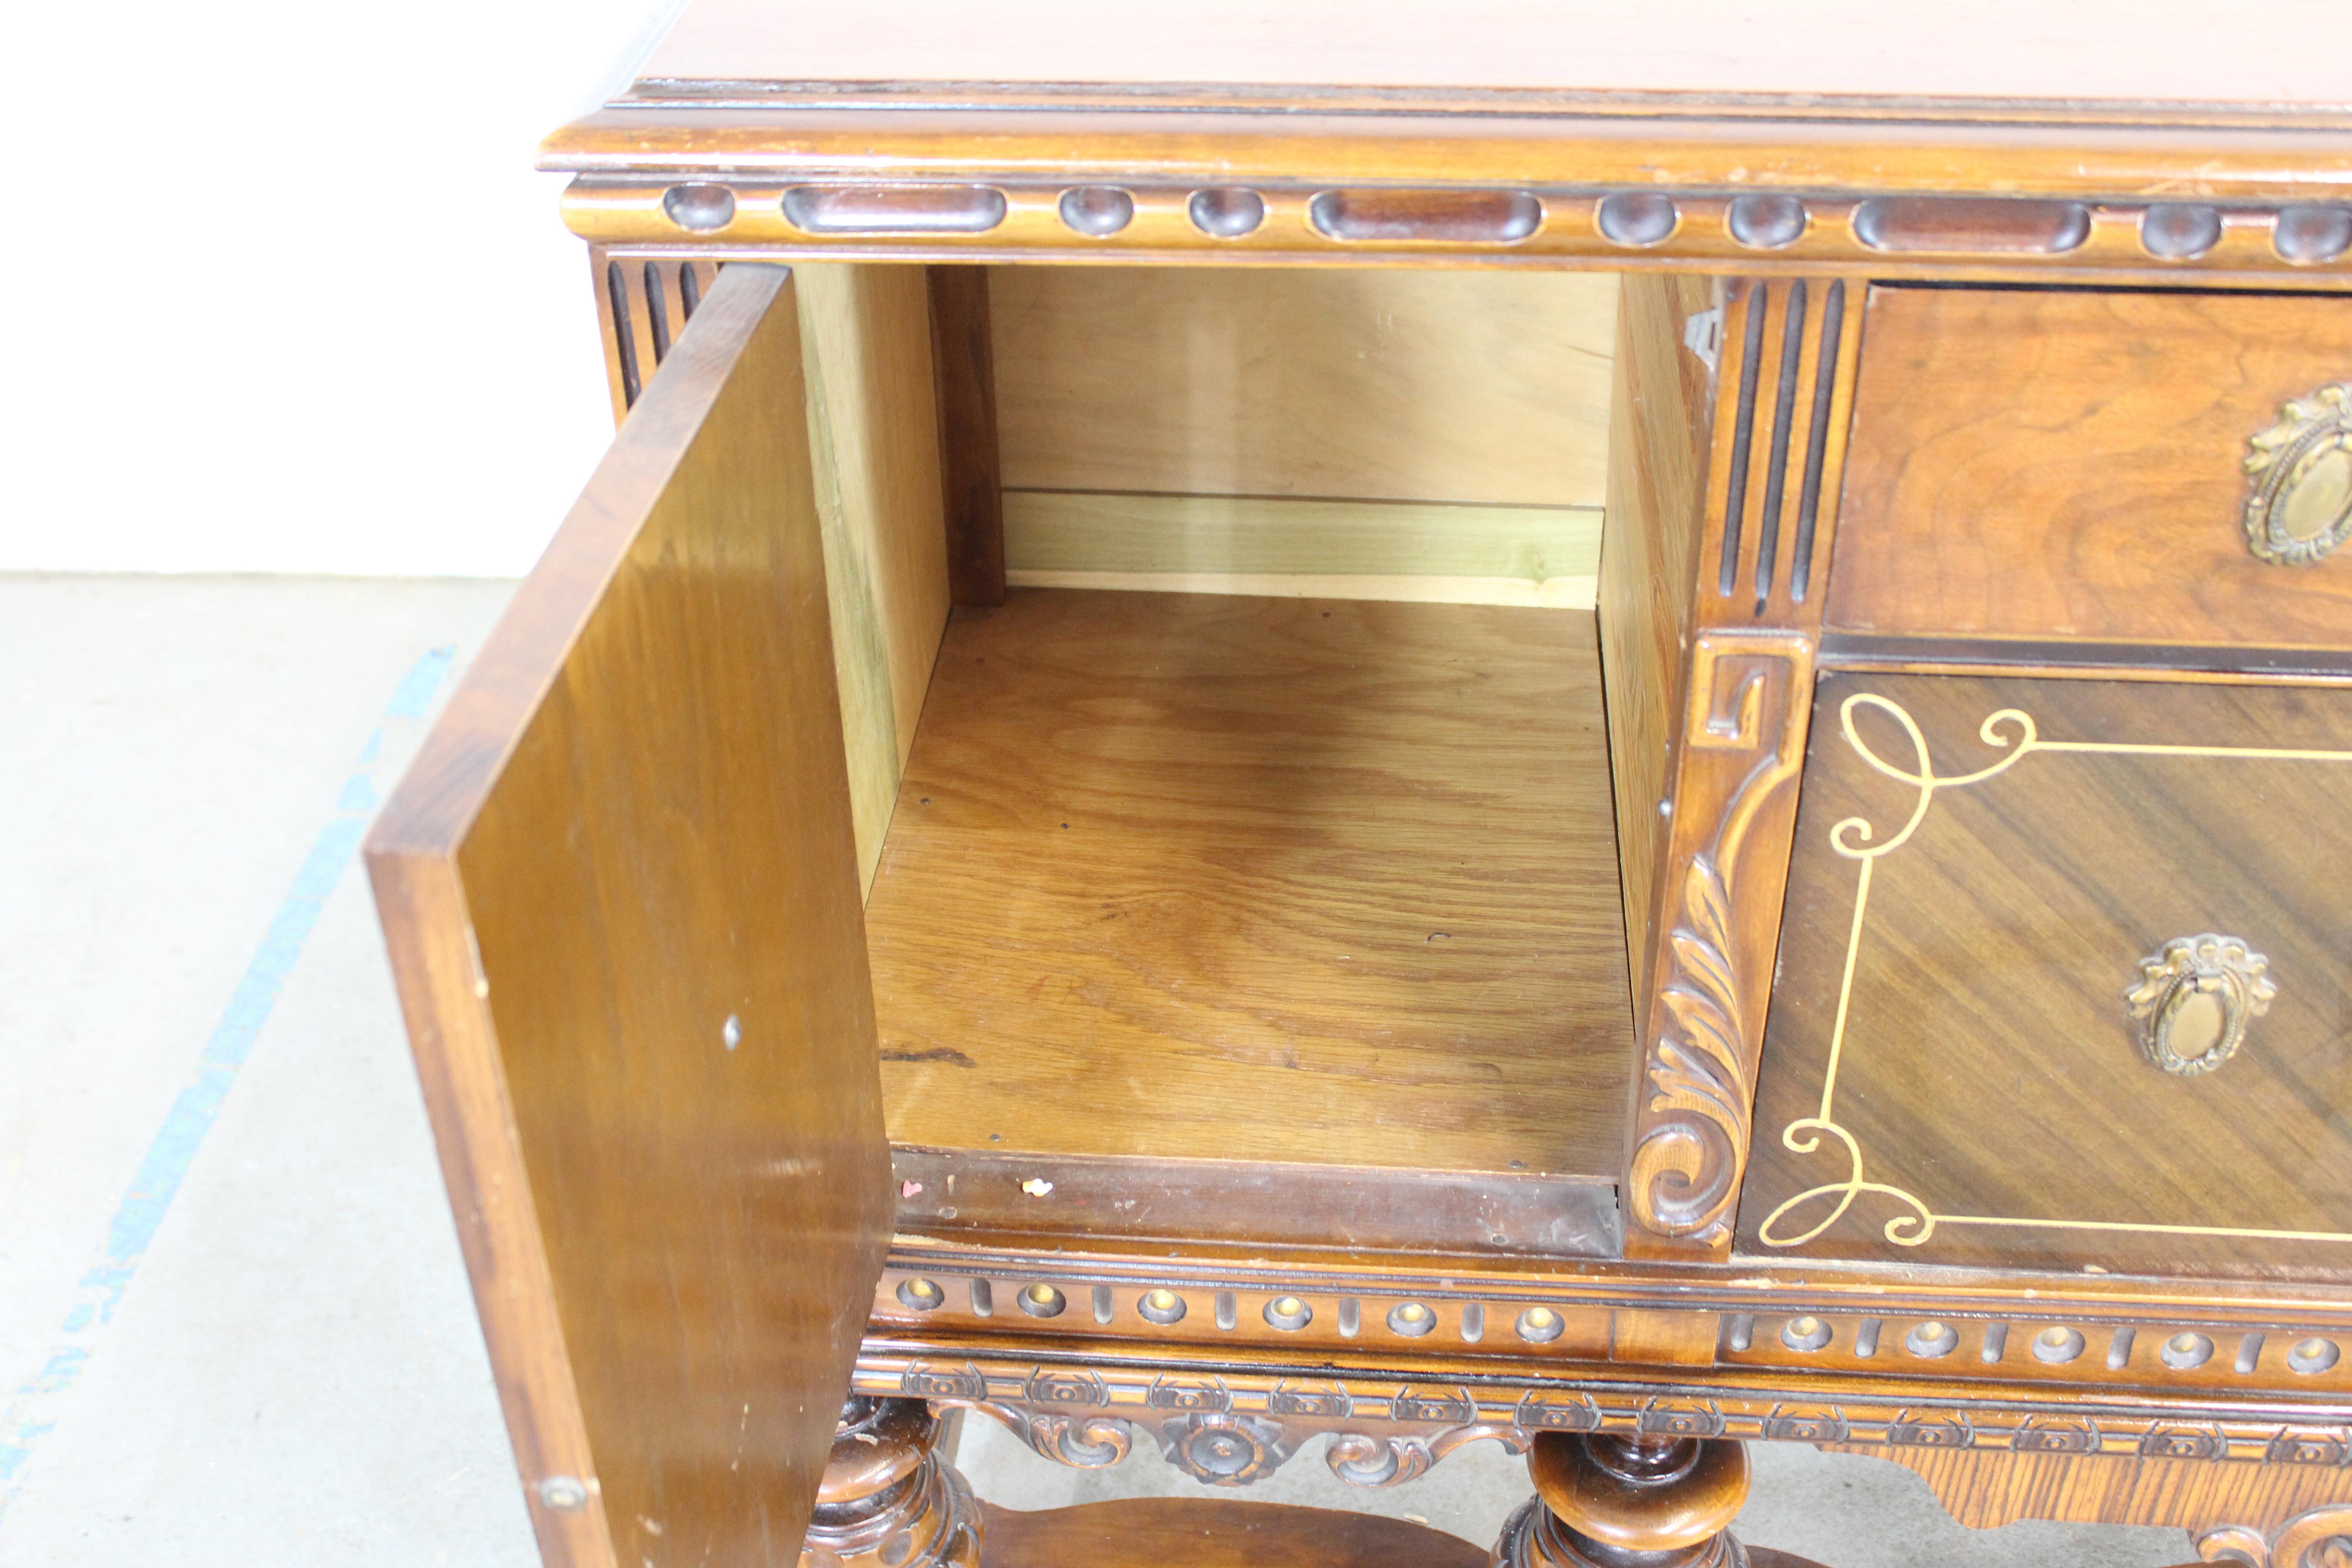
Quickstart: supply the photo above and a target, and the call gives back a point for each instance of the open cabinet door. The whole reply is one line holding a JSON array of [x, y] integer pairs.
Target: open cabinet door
[[622, 897]]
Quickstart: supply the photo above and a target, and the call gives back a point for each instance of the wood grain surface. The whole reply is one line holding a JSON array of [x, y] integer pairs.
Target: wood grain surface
[[970, 455], [1990, 1065], [1330, 882], [621, 890], [1214, 1532], [875, 441], [1661, 424], [1312, 549], [1785, 400], [1985, 1488], [1399, 385], [643, 304], [2070, 465], [1713, 962], [989, 1196]]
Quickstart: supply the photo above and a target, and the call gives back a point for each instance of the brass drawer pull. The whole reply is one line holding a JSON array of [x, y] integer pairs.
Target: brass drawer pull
[[2194, 1000], [2301, 508]]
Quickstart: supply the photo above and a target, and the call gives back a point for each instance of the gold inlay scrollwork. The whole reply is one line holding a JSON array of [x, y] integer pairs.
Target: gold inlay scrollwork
[[2015, 733]]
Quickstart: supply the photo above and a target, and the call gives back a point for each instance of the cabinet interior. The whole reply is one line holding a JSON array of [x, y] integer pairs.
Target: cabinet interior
[[1270, 821]]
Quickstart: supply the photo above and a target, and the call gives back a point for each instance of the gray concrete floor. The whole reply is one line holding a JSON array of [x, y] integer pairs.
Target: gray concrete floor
[[287, 1372]]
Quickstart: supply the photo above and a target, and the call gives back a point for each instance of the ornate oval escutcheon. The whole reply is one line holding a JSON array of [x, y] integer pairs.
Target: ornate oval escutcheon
[[2194, 999], [2301, 506]]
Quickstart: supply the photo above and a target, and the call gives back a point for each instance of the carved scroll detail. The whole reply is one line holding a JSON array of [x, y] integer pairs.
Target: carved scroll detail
[[1204, 1437], [1748, 702], [1366, 1459], [1082, 1441], [1385, 1415], [2320, 1538]]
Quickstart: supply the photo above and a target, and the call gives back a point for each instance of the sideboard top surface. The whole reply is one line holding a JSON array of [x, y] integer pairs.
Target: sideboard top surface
[[2113, 50], [1785, 140]]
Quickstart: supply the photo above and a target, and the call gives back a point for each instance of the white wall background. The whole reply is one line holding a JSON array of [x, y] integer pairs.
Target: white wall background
[[279, 290]]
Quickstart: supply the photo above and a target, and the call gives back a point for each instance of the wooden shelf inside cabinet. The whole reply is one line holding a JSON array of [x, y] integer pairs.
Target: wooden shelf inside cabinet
[[1289, 922]]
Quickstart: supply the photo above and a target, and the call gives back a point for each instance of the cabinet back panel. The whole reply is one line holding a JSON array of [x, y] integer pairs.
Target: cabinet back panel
[[1350, 434], [873, 434], [1426, 386]]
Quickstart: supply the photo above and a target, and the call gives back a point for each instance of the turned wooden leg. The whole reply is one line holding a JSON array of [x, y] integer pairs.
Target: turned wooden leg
[[887, 1500], [1603, 1500]]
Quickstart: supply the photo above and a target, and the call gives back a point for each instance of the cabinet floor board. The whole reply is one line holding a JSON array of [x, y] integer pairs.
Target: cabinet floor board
[[1189, 877]]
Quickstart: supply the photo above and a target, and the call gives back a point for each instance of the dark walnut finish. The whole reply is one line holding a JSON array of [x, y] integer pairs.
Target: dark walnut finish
[[964, 365], [1979, 966], [2256, 1457], [888, 1497], [1422, 1030], [626, 934], [1661, 422], [2070, 465], [1763, 532], [1610, 1501], [1210, 1533]]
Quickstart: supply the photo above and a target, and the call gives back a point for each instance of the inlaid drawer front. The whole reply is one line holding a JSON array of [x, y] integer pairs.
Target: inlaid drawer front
[[2100, 467], [2066, 980]]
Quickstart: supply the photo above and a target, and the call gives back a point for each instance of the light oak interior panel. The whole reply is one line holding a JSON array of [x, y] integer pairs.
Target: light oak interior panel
[[874, 430], [1322, 882], [1308, 549], [874, 442], [1215, 430], [1394, 384]]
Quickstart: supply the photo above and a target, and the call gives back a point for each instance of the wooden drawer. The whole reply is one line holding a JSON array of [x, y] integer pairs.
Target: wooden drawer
[[2072, 466], [1990, 1044]]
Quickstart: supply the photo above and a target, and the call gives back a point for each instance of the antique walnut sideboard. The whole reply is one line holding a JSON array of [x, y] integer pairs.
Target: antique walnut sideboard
[[1620, 771]]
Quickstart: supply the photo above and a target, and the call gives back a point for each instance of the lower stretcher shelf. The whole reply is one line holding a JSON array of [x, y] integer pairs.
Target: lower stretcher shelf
[[1272, 921]]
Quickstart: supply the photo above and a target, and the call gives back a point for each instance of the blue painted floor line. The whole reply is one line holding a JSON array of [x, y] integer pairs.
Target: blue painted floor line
[[33, 1409]]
